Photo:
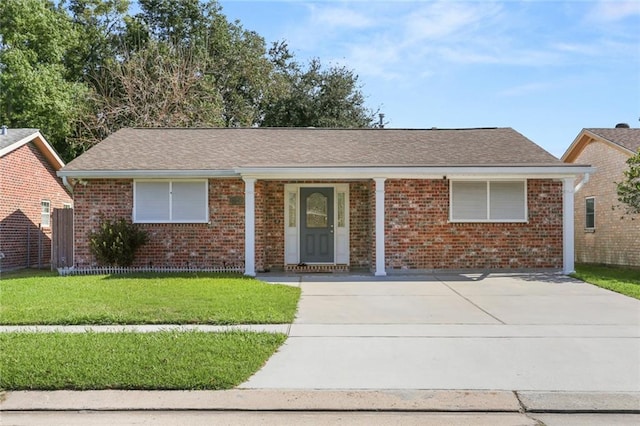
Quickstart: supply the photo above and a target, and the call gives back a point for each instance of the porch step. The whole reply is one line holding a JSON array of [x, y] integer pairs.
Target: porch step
[[305, 269]]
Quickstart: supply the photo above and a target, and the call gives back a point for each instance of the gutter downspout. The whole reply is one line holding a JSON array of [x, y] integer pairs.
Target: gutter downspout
[[66, 183], [580, 184]]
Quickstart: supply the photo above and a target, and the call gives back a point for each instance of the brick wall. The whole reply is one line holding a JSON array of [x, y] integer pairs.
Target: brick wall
[[362, 223], [419, 236], [616, 238], [270, 247], [216, 244], [27, 178]]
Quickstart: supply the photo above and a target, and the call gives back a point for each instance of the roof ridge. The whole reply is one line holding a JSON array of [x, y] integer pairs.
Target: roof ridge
[[318, 128]]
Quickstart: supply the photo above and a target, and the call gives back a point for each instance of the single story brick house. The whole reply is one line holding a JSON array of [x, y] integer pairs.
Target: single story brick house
[[603, 233], [301, 199], [29, 192]]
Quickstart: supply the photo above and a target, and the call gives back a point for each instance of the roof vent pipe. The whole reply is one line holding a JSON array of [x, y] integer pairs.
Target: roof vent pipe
[[3, 132], [622, 126], [381, 124]]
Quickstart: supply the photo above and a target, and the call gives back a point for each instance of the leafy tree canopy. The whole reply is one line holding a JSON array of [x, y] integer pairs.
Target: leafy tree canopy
[[319, 97], [629, 188], [35, 88], [81, 69]]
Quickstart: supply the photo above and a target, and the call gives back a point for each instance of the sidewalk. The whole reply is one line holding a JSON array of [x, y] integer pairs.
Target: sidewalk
[[326, 400]]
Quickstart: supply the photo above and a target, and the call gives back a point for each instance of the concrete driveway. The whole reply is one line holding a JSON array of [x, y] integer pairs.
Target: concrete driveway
[[537, 332]]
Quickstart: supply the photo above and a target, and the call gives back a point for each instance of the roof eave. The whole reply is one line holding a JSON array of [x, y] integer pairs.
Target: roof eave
[[581, 141], [557, 171], [553, 171], [50, 154]]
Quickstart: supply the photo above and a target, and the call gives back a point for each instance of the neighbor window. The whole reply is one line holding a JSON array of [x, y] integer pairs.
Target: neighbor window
[[174, 201], [590, 213], [488, 201], [45, 213]]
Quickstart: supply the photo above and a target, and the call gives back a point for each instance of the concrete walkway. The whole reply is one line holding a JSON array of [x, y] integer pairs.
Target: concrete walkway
[[529, 332]]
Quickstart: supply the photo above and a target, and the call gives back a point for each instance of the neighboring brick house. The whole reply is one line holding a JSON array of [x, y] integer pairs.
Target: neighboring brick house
[[29, 191], [383, 200], [603, 233]]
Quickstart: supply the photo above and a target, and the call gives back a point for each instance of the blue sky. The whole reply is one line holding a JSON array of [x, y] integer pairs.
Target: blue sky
[[545, 68]]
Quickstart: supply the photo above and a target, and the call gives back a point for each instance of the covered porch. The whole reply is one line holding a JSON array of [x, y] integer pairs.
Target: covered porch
[[303, 223]]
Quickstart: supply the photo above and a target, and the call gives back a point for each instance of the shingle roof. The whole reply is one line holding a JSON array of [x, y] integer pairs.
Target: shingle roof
[[15, 135], [230, 148], [625, 137]]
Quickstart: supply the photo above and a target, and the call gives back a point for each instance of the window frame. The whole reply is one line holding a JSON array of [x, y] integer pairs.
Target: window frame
[[586, 213], [488, 182], [134, 215], [47, 214]]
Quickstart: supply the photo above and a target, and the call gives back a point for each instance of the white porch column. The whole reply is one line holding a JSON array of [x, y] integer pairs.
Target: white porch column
[[380, 268], [249, 227], [567, 226]]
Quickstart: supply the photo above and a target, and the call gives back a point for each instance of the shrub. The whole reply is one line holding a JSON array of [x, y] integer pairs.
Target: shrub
[[116, 242]]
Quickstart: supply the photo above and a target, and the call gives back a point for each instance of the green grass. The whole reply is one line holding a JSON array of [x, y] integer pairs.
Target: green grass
[[163, 360], [43, 298], [618, 279]]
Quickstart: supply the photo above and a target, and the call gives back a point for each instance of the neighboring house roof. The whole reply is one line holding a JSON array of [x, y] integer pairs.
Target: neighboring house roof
[[231, 149], [624, 139], [15, 138]]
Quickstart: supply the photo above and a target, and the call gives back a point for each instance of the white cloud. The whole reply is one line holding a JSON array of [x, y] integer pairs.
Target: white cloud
[[442, 20], [612, 11], [409, 40], [406, 35], [339, 17], [576, 48]]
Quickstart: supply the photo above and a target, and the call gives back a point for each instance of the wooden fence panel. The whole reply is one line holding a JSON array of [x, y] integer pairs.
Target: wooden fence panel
[[62, 238]]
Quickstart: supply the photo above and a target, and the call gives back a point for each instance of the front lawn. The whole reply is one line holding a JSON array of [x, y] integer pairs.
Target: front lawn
[[163, 360], [615, 278], [41, 298]]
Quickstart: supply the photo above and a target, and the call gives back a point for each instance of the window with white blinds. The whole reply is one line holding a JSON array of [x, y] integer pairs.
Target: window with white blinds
[[176, 201], [488, 201]]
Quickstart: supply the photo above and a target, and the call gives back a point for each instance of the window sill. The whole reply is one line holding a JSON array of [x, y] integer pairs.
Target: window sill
[[489, 221], [170, 223], [589, 230]]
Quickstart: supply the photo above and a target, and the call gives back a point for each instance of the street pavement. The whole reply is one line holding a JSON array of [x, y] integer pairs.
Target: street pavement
[[206, 418]]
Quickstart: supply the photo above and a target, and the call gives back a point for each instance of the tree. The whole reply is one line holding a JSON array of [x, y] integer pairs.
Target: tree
[[629, 188], [36, 38], [156, 86], [101, 23], [319, 98]]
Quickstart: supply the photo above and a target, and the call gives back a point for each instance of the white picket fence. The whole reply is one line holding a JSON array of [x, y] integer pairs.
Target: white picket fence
[[112, 270]]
